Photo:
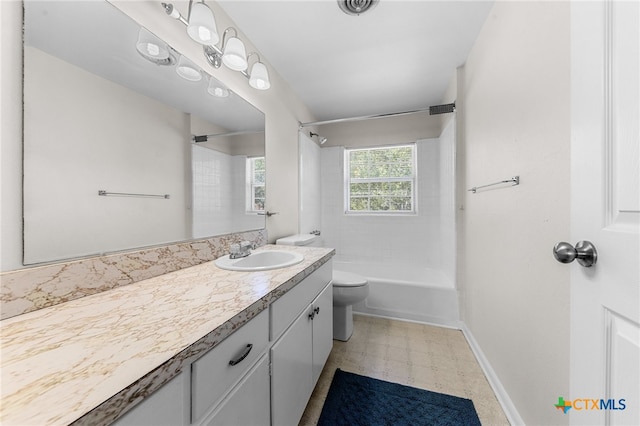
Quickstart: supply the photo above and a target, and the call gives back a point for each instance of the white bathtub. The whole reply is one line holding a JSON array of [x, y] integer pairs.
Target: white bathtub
[[406, 292]]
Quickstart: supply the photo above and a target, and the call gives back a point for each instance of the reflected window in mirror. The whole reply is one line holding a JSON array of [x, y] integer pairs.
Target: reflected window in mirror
[[256, 171]]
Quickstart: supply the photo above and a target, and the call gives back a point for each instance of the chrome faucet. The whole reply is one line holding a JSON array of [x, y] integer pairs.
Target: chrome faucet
[[241, 250]]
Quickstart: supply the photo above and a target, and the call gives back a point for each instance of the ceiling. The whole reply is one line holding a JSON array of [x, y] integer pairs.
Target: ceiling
[[398, 56]]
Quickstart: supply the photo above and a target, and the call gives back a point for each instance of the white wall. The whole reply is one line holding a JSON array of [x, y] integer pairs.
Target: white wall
[[142, 150], [515, 107]]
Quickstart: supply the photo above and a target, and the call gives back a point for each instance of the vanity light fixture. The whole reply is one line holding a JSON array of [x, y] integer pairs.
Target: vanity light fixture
[[258, 77], [234, 55], [201, 27]]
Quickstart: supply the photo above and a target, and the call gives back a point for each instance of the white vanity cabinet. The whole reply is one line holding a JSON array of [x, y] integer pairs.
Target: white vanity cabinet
[[263, 373], [248, 403], [302, 328], [214, 375]]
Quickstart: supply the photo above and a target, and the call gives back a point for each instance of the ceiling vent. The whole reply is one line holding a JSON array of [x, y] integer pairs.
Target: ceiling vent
[[356, 7]]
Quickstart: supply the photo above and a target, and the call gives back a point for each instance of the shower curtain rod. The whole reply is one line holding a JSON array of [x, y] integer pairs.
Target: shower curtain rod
[[364, 117]]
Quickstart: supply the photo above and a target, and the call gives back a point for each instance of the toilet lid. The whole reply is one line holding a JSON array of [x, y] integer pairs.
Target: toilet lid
[[347, 279]]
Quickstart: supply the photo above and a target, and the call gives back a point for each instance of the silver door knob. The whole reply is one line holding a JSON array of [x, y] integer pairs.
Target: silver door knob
[[584, 251]]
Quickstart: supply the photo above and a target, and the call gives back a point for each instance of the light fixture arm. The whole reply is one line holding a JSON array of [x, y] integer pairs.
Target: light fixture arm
[[174, 13], [213, 54], [224, 36], [253, 53]]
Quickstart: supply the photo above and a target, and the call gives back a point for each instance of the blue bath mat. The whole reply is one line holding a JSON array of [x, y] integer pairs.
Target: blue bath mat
[[358, 400]]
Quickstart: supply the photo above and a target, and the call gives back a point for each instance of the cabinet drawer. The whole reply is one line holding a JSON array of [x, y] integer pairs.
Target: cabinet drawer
[[248, 404], [212, 375], [287, 308]]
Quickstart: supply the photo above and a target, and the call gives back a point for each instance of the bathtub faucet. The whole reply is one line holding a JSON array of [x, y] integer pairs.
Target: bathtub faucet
[[241, 250]]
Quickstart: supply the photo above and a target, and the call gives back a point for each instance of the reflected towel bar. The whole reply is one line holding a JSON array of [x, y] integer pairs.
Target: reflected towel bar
[[515, 180], [125, 194]]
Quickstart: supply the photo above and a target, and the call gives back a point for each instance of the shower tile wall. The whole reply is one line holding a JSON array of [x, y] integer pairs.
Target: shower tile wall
[[219, 182], [408, 239]]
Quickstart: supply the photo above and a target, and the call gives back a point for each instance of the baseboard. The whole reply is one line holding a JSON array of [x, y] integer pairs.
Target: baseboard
[[438, 322], [501, 394]]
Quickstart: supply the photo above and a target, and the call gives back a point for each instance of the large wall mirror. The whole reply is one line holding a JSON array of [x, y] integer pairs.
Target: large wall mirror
[[98, 116]]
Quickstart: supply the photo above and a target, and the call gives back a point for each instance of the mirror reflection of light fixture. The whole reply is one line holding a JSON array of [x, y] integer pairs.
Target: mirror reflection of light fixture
[[188, 70], [153, 49], [217, 89], [258, 77], [201, 27], [149, 45]]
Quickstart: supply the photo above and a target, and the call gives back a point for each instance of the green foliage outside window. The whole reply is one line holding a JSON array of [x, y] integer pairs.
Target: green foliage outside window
[[381, 179]]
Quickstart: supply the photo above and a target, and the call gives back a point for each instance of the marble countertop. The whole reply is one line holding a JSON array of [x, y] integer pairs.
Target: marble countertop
[[87, 360]]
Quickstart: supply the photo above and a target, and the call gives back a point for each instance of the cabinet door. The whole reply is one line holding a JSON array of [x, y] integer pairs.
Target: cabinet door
[[322, 330], [291, 372], [248, 403]]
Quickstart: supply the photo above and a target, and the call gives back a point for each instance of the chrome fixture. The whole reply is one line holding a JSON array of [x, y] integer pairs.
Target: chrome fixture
[[267, 213], [356, 7], [201, 27], [584, 251], [241, 250], [321, 139], [103, 193], [515, 180]]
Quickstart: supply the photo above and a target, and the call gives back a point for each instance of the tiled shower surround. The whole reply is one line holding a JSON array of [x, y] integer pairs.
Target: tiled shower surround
[[30, 289]]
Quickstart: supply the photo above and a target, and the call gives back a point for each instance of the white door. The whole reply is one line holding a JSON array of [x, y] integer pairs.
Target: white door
[[605, 188]]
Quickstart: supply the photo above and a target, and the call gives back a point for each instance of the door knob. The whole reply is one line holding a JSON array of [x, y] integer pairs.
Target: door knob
[[584, 251]]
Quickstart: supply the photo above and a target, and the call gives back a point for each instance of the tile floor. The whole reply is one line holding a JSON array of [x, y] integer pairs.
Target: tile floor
[[428, 357]]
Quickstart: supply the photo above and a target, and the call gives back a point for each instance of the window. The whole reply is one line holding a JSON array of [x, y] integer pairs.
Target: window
[[380, 180], [255, 184]]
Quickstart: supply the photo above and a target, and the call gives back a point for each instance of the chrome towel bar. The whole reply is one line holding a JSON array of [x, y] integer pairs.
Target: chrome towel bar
[[515, 180], [104, 193]]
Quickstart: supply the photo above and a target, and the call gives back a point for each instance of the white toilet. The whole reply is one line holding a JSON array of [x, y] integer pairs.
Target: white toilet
[[348, 288]]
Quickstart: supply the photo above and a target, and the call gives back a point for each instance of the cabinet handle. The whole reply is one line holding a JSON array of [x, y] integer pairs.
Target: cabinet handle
[[242, 356], [314, 312]]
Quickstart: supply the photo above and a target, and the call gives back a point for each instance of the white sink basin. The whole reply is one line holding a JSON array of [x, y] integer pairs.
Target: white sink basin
[[260, 261]]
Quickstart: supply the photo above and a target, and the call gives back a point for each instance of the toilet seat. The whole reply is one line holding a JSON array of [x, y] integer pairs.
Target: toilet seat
[[347, 279]]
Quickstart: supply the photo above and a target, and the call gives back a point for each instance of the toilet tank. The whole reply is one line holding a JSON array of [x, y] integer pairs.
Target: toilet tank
[[300, 240]]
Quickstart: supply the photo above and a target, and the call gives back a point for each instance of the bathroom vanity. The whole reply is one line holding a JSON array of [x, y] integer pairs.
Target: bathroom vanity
[[197, 346]]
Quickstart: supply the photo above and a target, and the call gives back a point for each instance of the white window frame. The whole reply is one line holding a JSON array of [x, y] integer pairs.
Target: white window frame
[[413, 179], [251, 184]]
